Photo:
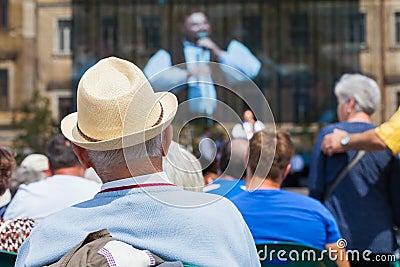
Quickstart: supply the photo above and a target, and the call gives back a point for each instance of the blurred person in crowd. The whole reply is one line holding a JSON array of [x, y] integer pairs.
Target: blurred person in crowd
[[277, 215], [7, 167], [365, 202], [24, 175], [137, 203], [248, 127], [385, 136], [220, 142], [197, 49], [33, 168], [250, 124], [64, 188], [37, 162], [12, 232], [232, 168], [183, 168], [208, 155], [297, 169]]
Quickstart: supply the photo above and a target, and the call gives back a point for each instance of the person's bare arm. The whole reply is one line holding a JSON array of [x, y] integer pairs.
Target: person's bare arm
[[338, 253], [368, 141]]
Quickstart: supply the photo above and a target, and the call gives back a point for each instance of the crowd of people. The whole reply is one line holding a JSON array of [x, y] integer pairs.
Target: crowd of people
[[115, 187]]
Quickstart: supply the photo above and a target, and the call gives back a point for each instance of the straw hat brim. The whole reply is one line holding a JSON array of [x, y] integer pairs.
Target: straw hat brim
[[70, 131]]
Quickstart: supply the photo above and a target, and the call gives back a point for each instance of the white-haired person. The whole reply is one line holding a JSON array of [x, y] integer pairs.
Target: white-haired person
[[364, 198], [385, 136], [37, 162], [122, 129], [183, 168]]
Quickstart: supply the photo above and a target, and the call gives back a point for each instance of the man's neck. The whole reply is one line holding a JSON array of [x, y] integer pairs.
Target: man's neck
[[137, 168], [359, 117], [226, 177], [73, 171], [258, 183]]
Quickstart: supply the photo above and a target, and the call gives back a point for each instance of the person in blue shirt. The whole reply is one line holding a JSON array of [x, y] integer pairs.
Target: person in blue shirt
[[277, 215], [366, 203], [198, 49]]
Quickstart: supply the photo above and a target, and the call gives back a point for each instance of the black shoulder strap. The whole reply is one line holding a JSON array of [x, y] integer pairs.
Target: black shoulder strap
[[343, 173]]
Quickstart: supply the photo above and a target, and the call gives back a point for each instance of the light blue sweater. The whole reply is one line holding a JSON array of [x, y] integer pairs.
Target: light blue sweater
[[196, 228]]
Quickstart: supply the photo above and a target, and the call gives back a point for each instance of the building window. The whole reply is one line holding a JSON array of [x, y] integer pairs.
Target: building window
[[64, 36], [299, 30], [152, 31], [357, 28], [3, 89], [252, 31], [397, 27], [109, 33], [3, 13], [64, 107]]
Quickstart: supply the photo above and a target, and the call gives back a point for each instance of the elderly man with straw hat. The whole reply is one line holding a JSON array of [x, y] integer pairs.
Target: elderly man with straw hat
[[122, 129]]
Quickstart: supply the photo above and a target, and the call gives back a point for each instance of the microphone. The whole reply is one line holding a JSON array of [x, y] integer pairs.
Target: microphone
[[202, 34]]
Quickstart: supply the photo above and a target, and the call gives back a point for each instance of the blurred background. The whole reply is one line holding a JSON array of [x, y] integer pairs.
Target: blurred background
[[304, 46]]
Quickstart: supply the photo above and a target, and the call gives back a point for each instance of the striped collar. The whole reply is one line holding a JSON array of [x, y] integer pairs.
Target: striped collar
[[154, 179]]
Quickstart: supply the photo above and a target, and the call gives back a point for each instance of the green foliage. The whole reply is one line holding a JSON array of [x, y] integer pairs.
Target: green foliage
[[36, 124]]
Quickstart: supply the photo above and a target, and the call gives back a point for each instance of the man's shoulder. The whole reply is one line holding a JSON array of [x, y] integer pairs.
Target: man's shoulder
[[236, 46], [347, 126], [162, 53], [329, 128], [296, 200], [221, 183], [74, 181], [197, 199], [297, 197], [32, 187]]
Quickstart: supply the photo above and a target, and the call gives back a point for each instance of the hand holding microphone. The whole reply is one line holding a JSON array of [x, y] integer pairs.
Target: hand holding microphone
[[205, 41]]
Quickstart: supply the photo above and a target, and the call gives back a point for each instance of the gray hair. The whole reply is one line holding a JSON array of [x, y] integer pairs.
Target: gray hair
[[24, 175], [363, 90], [183, 168], [103, 161]]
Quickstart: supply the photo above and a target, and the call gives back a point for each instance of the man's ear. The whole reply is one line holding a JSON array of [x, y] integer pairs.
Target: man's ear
[[352, 103], [166, 139], [82, 155], [286, 171]]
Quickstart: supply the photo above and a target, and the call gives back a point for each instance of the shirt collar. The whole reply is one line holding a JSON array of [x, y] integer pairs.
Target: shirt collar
[[158, 177], [186, 44]]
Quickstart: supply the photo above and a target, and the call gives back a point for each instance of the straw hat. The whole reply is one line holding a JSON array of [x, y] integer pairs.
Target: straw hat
[[117, 108]]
